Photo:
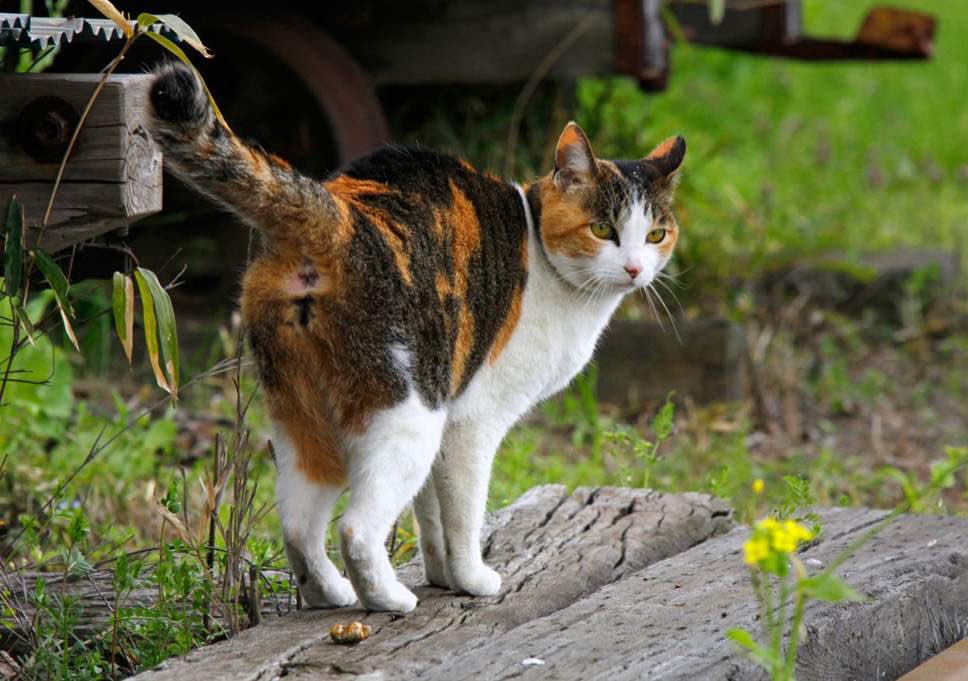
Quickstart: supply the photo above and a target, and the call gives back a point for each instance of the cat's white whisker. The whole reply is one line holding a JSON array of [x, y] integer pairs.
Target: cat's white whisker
[[671, 292], [655, 312], [672, 321]]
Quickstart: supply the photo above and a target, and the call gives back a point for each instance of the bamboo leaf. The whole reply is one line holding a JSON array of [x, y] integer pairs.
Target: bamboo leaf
[[122, 304], [180, 27], [717, 10], [13, 253], [167, 330], [20, 316], [108, 9], [56, 278], [178, 52], [151, 330], [60, 286]]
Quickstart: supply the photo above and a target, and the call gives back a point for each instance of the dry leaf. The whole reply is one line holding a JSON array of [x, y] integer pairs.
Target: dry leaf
[[108, 9]]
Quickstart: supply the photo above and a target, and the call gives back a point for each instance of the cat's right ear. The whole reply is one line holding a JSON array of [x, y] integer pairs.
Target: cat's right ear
[[574, 161]]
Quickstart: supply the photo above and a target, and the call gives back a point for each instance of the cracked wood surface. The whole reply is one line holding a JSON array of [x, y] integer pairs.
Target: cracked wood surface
[[628, 584], [551, 549]]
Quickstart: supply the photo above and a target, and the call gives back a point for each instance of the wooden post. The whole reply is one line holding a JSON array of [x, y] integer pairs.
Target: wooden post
[[113, 176]]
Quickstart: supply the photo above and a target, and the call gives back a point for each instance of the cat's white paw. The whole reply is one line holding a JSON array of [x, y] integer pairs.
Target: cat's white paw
[[335, 593], [393, 597], [476, 580]]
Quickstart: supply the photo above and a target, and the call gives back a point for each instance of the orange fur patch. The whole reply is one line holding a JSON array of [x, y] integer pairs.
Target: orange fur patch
[[514, 313], [564, 223], [570, 136], [466, 231], [352, 191], [318, 454], [310, 391], [664, 148], [672, 236]]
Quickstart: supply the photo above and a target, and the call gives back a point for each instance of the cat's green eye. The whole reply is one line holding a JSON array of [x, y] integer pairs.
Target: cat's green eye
[[602, 230], [655, 236]]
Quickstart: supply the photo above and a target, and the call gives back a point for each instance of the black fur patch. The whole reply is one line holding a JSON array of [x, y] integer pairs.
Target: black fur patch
[[176, 95]]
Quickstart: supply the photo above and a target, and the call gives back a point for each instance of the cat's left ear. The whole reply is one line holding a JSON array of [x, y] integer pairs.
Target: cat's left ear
[[574, 161], [668, 156]]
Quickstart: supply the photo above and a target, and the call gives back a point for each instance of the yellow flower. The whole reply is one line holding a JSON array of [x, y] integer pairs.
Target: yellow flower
[[768, 524], [755, 549], [774, 539], [784, 542], [758, 486]]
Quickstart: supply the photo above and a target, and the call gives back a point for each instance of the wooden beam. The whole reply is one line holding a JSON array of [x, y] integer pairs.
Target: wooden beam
[[640, 362], [501, 42], [113, 176]]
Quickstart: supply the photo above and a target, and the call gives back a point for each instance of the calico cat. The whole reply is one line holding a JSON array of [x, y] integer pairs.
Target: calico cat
[[404, 313]]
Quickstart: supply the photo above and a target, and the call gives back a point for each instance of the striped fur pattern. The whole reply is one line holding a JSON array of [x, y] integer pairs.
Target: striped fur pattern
[[404, 313]]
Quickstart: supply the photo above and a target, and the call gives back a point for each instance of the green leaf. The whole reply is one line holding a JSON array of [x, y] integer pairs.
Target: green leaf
[[13, 253], [761, 655], [831, 588], [180, 27], [122, 305], [60, 286], [21, 316], [178, 52], [665, 420], [717, 10], [167, 330], [151, 330]]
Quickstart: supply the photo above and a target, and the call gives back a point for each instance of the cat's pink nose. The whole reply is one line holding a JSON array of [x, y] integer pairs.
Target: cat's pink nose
[[633, 271]]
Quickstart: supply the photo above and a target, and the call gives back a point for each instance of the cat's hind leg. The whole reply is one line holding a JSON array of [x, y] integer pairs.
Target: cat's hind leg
[[387, 466], [426, 510], [306, 508]]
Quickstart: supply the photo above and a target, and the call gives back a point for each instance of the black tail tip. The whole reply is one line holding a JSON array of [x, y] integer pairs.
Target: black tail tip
[[177, 95]]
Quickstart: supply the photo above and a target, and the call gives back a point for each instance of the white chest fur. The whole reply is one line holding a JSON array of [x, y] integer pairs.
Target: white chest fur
[[555, 337]]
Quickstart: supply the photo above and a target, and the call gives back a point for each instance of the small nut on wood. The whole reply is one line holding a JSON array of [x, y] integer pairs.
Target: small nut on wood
[[348, 634]]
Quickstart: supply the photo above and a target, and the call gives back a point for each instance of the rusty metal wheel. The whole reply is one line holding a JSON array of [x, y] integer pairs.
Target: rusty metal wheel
[[341, 88]]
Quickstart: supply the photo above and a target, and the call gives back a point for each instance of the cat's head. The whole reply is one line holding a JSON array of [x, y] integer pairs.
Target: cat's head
[[608, 225]]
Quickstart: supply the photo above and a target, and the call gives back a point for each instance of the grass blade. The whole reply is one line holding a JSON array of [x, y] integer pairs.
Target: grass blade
[[13, 251], [122, 305], [167, 329], [59, 284], [151, 330]]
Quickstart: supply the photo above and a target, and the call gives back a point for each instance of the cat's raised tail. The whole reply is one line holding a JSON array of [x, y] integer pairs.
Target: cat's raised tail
[[261, 188]]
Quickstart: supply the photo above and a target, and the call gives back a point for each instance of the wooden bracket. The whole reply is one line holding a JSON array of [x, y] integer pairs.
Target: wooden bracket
[[113, 176]]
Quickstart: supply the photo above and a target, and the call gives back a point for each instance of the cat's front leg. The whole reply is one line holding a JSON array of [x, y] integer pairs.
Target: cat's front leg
[[460, 477]]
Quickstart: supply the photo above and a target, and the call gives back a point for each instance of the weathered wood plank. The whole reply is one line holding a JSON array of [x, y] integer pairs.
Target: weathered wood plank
[[114, 175], [667, 621], [551, 548], [572, 601]]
